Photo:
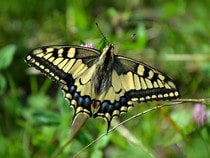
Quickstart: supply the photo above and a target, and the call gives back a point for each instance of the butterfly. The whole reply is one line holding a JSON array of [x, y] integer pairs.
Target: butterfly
[[100, 83]]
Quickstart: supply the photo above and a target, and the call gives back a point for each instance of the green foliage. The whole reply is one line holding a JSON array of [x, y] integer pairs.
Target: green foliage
[[2, 83], [7, 54], [172, 36]]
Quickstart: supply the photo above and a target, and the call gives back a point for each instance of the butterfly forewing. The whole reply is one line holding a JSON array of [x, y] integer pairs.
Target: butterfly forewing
[[101, 84], [143, 83], [60, 62]]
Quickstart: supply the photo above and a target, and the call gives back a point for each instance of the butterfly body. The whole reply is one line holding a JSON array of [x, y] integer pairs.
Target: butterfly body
[[101, 78], [101, 84]]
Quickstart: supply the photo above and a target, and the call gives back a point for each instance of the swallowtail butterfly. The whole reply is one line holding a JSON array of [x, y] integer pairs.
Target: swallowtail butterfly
[[101, 84]]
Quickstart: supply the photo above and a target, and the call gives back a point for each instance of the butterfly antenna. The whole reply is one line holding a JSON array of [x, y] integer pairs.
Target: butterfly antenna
[[99, 29], [126, 39]]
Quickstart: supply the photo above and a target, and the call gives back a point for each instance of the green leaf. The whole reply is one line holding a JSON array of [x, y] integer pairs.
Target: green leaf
[[97, 153], [46, 118], [6, 55], [2, 83], [39, 101], [197, 148]]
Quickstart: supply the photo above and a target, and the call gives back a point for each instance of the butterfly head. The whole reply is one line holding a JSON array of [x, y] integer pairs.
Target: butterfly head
[[107, 54]]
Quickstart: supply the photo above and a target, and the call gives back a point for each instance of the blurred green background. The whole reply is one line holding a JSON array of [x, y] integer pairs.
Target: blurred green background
[[173, 36]]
